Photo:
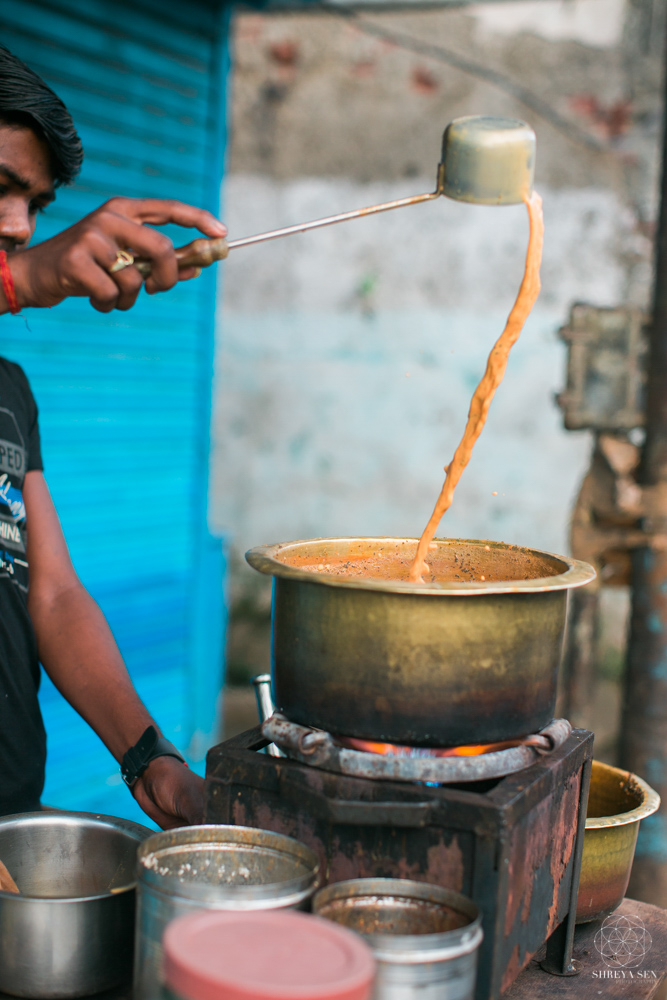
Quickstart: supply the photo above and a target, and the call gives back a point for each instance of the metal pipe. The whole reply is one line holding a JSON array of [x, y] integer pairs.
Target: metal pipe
[[265, 706], [643, 742]]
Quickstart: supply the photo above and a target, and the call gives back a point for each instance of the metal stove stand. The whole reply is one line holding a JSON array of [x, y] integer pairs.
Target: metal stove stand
[[512, 844]]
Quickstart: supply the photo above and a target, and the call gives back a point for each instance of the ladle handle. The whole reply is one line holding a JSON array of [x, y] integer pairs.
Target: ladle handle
[[203, 251], [200, 253]]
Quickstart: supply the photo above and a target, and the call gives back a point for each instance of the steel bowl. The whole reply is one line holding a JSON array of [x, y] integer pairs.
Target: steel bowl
[[70, 932], [617, 802], [472, 657]]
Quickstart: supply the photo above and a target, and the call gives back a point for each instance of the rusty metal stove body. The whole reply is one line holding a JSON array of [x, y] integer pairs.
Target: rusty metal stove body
[[512, 844]]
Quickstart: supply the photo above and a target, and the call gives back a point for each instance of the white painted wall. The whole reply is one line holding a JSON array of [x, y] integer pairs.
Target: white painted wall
[[596, 23], [347, 357]]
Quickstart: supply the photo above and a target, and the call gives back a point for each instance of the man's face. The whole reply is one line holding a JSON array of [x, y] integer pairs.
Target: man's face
[[26, 184]]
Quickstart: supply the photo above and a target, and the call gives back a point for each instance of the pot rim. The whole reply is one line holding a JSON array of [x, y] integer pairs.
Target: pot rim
[[73, 818], [646, 808], [410, 948], [208, 836], [576, 574]]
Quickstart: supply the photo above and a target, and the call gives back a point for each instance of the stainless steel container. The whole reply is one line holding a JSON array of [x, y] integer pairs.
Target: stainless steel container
[[212, 867], [471, 657], [70, 931], [424, 938]]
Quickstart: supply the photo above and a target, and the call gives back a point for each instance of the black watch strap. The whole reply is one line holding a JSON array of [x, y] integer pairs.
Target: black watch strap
[[149, 746]]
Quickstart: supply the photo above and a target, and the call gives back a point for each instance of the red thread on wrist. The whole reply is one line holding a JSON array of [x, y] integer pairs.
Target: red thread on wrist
[[8, 284]]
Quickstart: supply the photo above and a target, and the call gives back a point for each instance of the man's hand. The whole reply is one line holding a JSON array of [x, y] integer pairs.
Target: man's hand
[[170, 793], [77, 260]]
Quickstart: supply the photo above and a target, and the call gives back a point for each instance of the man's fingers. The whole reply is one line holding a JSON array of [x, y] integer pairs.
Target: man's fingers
[[160, 211], [141, 241], [163, 820], [170, 793], [191, 802], [186, 273], [106, 290], [78, 261], [129, 283], [88, 277]]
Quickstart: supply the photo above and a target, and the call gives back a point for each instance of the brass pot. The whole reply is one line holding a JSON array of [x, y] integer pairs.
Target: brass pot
[[472, 657], [617, 802]]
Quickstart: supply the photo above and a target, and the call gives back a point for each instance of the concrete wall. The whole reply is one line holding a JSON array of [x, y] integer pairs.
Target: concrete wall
[[347, 357]]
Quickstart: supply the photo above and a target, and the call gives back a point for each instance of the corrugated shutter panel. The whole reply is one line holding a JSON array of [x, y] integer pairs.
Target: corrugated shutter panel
[[125, 398]]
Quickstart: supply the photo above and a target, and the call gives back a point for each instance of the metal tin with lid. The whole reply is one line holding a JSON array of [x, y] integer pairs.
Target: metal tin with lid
[[212, 867], [425, 938], [265, 956]]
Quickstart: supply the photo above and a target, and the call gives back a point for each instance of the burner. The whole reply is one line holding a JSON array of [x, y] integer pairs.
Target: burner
[[512, 844], [361, 759]]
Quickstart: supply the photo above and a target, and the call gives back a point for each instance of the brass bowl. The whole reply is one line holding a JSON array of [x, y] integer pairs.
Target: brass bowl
[[471, 657], [617, 802]]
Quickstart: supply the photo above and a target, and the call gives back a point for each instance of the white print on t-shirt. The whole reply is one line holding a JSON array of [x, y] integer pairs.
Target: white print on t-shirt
[[12, 497]]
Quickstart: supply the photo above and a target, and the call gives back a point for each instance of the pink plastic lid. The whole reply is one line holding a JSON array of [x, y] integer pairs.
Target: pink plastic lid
[[267, 955]]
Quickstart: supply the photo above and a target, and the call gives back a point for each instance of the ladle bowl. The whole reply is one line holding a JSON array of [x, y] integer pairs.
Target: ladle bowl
[[485, 160], [488, 161], [471, 657]]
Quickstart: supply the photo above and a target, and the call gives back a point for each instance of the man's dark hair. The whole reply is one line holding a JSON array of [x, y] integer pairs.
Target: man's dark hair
[[27, 102]]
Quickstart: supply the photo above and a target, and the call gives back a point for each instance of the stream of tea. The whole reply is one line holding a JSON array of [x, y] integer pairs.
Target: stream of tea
[[485, 391]]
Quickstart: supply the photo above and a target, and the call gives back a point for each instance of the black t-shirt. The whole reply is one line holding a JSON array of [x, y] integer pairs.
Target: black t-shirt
[[22, 736]]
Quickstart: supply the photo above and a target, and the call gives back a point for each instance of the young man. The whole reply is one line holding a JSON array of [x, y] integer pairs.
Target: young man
[[53, 619]]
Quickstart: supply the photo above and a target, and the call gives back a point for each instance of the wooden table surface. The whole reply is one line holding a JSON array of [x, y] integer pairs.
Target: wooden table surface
[[634, 929]]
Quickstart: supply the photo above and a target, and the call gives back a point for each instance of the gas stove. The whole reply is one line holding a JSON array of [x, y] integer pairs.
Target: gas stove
[[368, 759], [510, 837]]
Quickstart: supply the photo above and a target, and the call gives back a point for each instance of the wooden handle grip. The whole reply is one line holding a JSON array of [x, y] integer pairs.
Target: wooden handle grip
[[200, 253], [7, 883]]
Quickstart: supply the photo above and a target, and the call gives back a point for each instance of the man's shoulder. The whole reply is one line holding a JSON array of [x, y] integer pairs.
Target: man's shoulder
[[12, 372]]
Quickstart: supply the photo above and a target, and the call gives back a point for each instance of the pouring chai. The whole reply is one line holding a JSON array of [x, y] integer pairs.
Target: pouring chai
[[493, 376], [485, 161]]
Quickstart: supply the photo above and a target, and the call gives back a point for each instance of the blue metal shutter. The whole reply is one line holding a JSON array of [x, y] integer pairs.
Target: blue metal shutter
[[125, 398]]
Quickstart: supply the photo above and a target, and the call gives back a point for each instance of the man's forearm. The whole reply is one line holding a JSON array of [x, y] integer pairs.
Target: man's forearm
[[81, 657]]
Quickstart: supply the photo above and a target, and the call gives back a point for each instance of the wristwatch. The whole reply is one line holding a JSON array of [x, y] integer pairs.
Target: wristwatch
[[147, 748]]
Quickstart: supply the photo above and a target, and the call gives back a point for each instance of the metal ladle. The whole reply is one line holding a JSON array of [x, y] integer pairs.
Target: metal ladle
[[486, 161]]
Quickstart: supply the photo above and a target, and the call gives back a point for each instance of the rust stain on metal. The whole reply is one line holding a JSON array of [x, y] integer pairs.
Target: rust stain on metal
[[239, 814], [359, 863], [526, 857], [343, 867], [513, 968], [541, 849], [445, 865], [548, 833], [564, 836], [301, 829]]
